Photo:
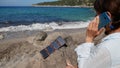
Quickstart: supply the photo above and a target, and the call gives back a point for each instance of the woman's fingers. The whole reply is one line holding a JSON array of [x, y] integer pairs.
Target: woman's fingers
[[92, 30], [90, 26], [97, 22], [69, 65], [68, 62], [94, 24], [100, 31]]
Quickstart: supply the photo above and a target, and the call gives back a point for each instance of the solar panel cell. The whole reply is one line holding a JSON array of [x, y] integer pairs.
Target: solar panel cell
[[55, 45], [50, 49], [61, 41], [44, 53]]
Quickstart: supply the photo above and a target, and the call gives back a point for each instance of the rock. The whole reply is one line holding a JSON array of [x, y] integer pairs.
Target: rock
[[69, 41], [1, 36], [41, 36]]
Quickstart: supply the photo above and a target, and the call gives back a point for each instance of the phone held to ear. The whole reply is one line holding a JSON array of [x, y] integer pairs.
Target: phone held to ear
[[104, 20]]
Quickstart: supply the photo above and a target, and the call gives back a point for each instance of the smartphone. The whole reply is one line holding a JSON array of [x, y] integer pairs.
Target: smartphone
[[104, 20]]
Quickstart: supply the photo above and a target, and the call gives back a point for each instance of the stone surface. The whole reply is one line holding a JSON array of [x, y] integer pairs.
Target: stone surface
[[41, 36], [69, 41]]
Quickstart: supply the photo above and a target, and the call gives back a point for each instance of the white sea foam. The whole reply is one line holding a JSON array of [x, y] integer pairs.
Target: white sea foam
[[46, 26]]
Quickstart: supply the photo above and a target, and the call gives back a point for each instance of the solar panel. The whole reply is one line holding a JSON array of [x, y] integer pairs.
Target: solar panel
[[55, 45], [60, 41], [50, 49], [44, 53]]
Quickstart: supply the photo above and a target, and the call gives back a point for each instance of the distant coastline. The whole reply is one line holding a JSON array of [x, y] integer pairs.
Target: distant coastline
[[77, 6]]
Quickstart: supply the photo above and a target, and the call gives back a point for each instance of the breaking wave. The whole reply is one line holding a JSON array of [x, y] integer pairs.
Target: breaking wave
[[46, 26]]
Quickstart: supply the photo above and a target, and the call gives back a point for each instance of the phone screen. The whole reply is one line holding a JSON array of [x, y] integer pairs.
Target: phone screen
[[104, 19]]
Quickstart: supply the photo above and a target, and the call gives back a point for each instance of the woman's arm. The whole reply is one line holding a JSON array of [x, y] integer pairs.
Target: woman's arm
[[90, 56]]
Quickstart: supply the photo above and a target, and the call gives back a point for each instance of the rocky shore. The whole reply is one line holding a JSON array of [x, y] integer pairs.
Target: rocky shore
[[22, 49]]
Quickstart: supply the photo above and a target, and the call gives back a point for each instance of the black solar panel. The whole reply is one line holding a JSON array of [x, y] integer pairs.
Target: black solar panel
[[44, 53], [50, 49], [55, 45], [59, 42]]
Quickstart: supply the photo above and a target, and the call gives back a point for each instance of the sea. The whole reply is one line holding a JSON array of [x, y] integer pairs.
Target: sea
[[21, 18]]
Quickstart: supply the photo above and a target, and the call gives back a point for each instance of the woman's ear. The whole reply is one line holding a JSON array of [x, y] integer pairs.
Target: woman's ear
[[110, 25], [109, 14]]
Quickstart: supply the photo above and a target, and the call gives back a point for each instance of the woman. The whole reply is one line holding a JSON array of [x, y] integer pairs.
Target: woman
[[107, 53]]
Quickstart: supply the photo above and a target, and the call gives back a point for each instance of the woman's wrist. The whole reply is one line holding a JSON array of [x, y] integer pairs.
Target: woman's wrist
[[89, 40]]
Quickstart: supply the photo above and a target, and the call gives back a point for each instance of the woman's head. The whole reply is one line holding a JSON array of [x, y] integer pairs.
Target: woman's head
[[111, 6]]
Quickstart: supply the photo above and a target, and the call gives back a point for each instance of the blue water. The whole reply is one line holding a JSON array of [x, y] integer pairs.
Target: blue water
[[13, 16]]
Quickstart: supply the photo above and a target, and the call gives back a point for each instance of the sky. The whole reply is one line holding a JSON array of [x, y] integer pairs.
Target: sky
[[21, 2]]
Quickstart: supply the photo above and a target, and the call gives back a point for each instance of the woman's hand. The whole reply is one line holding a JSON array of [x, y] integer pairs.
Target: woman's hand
[[92, 30], [69, 65]]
